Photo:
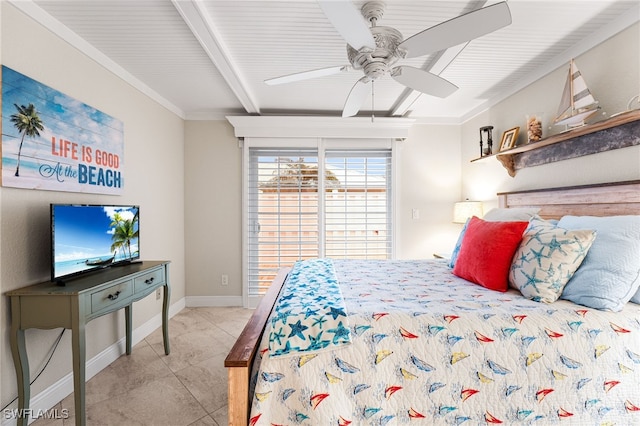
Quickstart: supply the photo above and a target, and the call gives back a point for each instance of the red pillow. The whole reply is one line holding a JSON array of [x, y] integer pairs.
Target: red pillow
[[486, 252]]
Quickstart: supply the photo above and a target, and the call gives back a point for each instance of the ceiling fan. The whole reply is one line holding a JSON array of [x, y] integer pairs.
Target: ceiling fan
[[376, 49]]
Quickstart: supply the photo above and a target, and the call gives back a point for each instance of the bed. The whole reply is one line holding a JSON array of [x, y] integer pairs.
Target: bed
[[396, 342]]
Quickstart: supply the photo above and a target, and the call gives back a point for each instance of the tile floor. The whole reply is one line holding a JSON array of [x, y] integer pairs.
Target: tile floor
[[187, 387]]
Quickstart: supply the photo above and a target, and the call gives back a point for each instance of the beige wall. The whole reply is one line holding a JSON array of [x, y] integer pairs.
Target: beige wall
[[154, 179], [213, 214], [612, 72], [429, 180]]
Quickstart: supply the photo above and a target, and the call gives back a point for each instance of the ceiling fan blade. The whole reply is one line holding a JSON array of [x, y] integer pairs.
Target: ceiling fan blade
[[349, 22], [306, 75], [359, 92], [423, 81], [458, 30]]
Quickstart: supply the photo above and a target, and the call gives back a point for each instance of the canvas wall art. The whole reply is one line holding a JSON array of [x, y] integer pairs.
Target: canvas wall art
[[53, 142]]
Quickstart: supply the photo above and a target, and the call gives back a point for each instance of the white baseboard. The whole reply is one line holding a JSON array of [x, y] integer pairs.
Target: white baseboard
[[215, 301], [48, 398]]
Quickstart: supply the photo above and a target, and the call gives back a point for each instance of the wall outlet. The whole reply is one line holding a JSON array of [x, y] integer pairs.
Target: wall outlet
[[224, 280], [158, 293]]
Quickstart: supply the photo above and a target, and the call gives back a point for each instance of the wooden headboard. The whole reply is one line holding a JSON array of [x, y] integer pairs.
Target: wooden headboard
[[607, 199]]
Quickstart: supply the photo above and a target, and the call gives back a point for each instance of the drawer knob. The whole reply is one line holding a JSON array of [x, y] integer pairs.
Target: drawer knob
[[149, 280], [114, 296]]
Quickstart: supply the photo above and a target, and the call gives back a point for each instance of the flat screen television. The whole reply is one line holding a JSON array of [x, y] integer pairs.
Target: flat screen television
[[85, 238]]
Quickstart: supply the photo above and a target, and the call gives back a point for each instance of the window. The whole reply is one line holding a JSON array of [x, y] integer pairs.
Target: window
[[357, 204], [287, 219]]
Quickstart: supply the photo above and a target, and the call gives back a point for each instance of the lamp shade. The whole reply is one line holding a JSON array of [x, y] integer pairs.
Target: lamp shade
[[463, 210]]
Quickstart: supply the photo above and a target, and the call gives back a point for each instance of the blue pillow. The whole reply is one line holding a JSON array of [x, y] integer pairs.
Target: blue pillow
[[610, 274], [456, 249], [636, 298]]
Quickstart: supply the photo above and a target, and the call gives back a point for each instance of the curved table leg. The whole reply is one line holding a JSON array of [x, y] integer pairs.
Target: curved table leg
[[21, 362]]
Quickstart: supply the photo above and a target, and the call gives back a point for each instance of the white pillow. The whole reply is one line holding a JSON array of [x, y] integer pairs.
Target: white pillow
[[516, 214]]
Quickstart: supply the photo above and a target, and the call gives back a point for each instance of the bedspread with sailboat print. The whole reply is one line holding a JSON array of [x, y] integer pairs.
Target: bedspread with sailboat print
[[429, 348]]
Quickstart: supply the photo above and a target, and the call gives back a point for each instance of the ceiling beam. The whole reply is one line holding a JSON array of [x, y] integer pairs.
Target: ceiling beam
[[205, 32]]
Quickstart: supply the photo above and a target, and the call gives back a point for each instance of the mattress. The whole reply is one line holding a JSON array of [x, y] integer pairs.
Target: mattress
[[399, 342]]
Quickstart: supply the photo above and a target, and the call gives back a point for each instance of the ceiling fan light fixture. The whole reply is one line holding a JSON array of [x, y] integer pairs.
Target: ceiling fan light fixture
[[386, 53]]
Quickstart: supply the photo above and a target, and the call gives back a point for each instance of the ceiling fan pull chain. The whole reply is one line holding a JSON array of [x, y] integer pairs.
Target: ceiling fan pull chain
[[372, 100]]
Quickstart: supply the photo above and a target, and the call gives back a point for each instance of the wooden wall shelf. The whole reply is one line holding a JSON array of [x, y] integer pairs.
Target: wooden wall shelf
[[619, 131]]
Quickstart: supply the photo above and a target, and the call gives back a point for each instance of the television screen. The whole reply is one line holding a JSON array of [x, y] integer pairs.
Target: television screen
[[89, 237]]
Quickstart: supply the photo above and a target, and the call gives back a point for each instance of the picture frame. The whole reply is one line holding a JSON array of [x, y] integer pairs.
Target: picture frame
[[509, 138]]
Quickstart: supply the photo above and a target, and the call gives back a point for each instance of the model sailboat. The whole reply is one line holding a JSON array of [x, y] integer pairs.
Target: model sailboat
[[577, 103]]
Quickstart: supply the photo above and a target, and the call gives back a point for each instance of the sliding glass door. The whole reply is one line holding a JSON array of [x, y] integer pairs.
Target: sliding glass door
[[310, 202]]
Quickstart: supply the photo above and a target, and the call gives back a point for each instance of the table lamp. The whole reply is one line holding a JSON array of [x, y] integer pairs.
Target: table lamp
[[463, 210]]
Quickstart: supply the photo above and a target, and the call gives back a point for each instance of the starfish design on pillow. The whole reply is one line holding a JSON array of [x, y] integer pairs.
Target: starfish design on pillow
[[582, 250], [554, 245], [547, 259], [522, 259], [532, 280], [538, 256]]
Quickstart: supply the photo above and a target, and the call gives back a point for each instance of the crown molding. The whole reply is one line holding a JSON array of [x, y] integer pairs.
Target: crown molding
[[325, 127]]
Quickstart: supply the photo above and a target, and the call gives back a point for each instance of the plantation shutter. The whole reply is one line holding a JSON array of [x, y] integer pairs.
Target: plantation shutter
[[282, 212], [357, 214]]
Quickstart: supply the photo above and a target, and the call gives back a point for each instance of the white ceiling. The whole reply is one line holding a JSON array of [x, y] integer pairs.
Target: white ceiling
[[209, 58]]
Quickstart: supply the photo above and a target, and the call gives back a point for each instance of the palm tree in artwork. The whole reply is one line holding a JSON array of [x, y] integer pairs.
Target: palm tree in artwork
[[124, 231], [28, 122]]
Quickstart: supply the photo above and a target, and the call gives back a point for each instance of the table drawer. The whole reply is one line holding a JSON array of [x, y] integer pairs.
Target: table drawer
[[111, 296], [150, 279]]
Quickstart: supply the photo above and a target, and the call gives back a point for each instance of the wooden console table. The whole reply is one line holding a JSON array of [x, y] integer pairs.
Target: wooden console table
[[48, 305]]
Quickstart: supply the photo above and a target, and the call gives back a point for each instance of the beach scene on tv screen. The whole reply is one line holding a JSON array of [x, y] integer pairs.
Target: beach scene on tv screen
[[88, 237]]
